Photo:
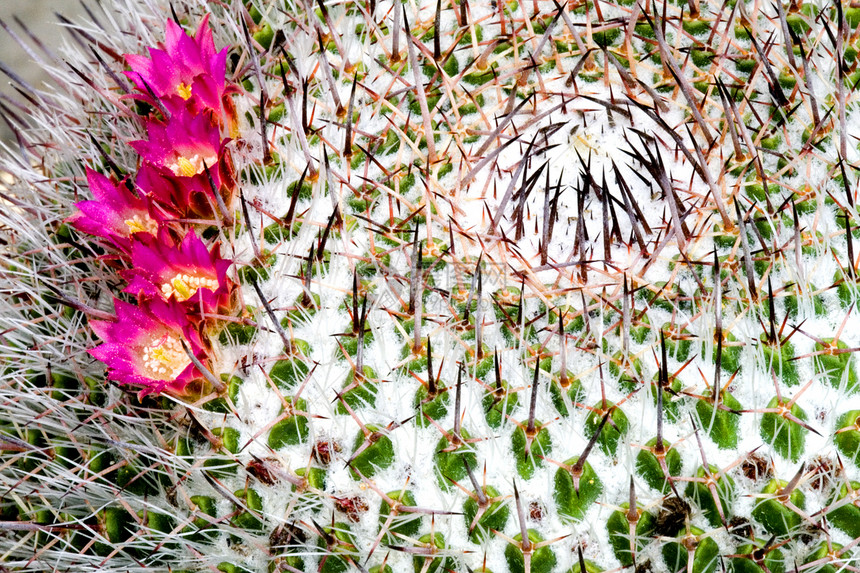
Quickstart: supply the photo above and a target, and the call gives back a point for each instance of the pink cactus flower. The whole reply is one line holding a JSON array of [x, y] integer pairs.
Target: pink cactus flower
[[143, 347], [187, 273], [185, 163], [185, 146], [116, 213], [190, 197], [186, 73]]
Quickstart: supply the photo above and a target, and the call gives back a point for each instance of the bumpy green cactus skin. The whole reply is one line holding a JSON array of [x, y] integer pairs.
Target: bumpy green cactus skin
[[503, 271], [774, 514], [627, 541], [573, 497], [695, 547]]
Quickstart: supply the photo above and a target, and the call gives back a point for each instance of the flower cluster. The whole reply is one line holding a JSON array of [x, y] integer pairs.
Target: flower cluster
[[149, 221]]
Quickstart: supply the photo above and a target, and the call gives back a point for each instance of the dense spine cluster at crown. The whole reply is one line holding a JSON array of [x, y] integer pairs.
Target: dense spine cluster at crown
[[515, 286]]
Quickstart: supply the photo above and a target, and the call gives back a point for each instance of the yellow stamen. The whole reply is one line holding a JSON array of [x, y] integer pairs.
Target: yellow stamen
[[165, 359], [191, 166], [185, 167], [138, 224], [182, 290], [184, 286], [184, 91]]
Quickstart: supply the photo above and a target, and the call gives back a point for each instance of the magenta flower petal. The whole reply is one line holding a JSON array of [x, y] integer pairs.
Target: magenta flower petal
[[189, 197], [165, 75], [187, 273], [183, 146], [177, 156], [143, 346], [171, 74], [116, 213]]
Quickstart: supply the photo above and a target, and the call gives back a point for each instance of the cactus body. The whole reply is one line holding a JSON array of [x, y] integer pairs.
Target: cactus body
[[434, 286]]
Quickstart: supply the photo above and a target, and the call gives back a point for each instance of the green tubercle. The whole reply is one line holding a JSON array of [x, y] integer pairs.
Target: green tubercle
[[648, 465], [700, 493], [292, 429], [498, 403], [376, 456], [847, 438], [339, 549], [780, 359], [227, 567], [574, 496], [772, 512], [313, 478], [730, 359], [427, 560], [756, 560], [679, 341], [836, 366], [565, 392], [221, 404], [778, 429], [402, 523], [542, 559], [612, 432], [705, 553], [720, 424], [289, 373], [491, 515], [452, 454], [672, 398], [204, 505], [590, 567], [248, 517], [540, 446], [358, 392], [824, 556], [117, 524], [627, 372], [350, 343], [846, 513], [618, 526], [433, 405]]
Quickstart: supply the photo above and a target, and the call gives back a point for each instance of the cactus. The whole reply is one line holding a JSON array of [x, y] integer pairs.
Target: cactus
[[529, 287]]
